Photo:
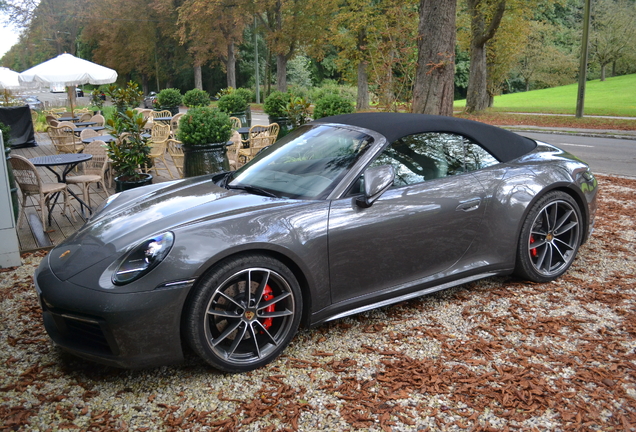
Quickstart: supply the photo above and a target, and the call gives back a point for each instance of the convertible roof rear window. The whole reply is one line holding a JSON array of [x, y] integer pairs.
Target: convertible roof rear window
[[502, 144]]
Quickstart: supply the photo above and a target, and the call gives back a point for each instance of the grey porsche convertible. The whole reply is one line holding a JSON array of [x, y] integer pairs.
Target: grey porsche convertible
[[344, 214]]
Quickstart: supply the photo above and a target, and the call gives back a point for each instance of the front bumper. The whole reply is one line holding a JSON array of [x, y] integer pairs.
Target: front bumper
[[129, 330]]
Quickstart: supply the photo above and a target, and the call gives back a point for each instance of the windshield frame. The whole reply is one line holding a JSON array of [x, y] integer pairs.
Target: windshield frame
[[339, 183]]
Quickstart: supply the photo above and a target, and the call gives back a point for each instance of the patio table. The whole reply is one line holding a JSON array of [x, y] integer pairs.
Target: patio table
[[95, 128], [84, 124], [68, 161], [71, 119]]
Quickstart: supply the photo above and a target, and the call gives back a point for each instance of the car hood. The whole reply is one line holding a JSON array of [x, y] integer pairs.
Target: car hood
[[135, 215]]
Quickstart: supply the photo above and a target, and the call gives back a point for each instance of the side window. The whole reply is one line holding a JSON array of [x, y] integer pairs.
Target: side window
[[427, 156]]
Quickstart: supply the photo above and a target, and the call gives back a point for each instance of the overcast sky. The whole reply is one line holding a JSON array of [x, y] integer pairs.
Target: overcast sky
[[8, 37]]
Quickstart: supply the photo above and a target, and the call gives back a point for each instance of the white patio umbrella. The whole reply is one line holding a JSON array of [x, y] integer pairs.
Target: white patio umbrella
[[9, 81], [69, 70]]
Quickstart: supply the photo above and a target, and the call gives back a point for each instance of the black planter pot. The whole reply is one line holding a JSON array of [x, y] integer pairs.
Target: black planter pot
[[12, 186], [173, 110], [245, 122], [121, 184], [205, 159], [284, 123]]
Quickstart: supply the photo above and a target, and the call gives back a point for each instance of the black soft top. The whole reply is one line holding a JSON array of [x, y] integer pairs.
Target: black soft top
[[502, 144]]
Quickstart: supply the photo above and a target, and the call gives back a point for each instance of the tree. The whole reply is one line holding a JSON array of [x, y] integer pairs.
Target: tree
[[613, 31], [291, 25], [485, 17], [348, 33], [542, 63], [207, 42], [433, 91]]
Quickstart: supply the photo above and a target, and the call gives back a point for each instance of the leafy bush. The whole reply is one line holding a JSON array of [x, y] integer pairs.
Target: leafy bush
[[246, 94], [6, 131], [169, 97], [332, 104], [298, 111], [195, 98], [232, 103], [332, 87], [204, 125], [275, 104], [125, 97], [130, 152], [224, 91]]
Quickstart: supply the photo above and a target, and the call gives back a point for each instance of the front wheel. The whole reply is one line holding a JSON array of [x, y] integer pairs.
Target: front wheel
[[243, 313], [550, 238]]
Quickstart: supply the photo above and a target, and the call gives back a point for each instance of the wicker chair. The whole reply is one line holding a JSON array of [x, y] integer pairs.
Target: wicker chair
[[259, 138], [28, 179], [236, 123], [175, 150], [64, 139], [94, 169], [174, 124], [98, 119], [89, 133], [158, 142], [232, 151], [164, 113], [85, 117], [51, 120]]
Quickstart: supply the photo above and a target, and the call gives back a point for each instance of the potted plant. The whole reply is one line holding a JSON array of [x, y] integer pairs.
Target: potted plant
[[129, 152], [298, 111], [125, 97], [234, 105], [169, 99], [195, 97], [332, 104], [275, 106], [205, 133]]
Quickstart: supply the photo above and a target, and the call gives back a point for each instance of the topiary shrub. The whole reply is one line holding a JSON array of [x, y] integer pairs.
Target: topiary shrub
[[275, 104], [169, 97], [246, 94], [232, 103], [204, 125], [195, 98], [332, 104]]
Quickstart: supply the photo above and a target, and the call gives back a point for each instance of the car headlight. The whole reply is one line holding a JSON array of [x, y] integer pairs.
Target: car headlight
[[143, 258]]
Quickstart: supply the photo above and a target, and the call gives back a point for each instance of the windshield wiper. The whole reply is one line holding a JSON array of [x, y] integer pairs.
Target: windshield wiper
[[252, 189]]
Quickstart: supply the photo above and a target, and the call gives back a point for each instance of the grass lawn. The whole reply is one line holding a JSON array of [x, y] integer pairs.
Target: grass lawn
[[616, 97]]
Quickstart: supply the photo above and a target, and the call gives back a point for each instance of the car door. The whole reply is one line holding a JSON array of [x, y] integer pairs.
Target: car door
[[418, 228]]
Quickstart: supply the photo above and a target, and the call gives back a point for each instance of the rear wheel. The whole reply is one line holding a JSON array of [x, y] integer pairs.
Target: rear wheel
[[550, 238], [244, 313]]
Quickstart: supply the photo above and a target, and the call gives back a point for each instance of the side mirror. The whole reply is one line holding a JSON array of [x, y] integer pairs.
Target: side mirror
[[376, 181]]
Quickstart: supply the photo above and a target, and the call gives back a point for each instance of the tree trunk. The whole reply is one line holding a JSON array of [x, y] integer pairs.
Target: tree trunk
[[433, 90], [281, 72], [144, 83], [603, 72], [231, 65], [477, 94], [363, 87], [198, 77]]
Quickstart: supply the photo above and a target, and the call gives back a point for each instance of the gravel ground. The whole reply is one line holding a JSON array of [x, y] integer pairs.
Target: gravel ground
[[498, 354]]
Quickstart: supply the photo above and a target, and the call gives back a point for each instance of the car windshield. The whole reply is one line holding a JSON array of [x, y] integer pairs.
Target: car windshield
[[306, 164]]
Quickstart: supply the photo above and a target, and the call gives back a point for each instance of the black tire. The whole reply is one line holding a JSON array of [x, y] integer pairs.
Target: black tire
[[550, 238], [238, 330]]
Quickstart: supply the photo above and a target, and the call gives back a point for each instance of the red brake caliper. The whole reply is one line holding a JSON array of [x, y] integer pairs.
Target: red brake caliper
[[533, 251], [267, 296]]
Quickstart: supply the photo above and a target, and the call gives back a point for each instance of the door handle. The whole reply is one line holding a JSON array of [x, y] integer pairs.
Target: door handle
[[469, 205]]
